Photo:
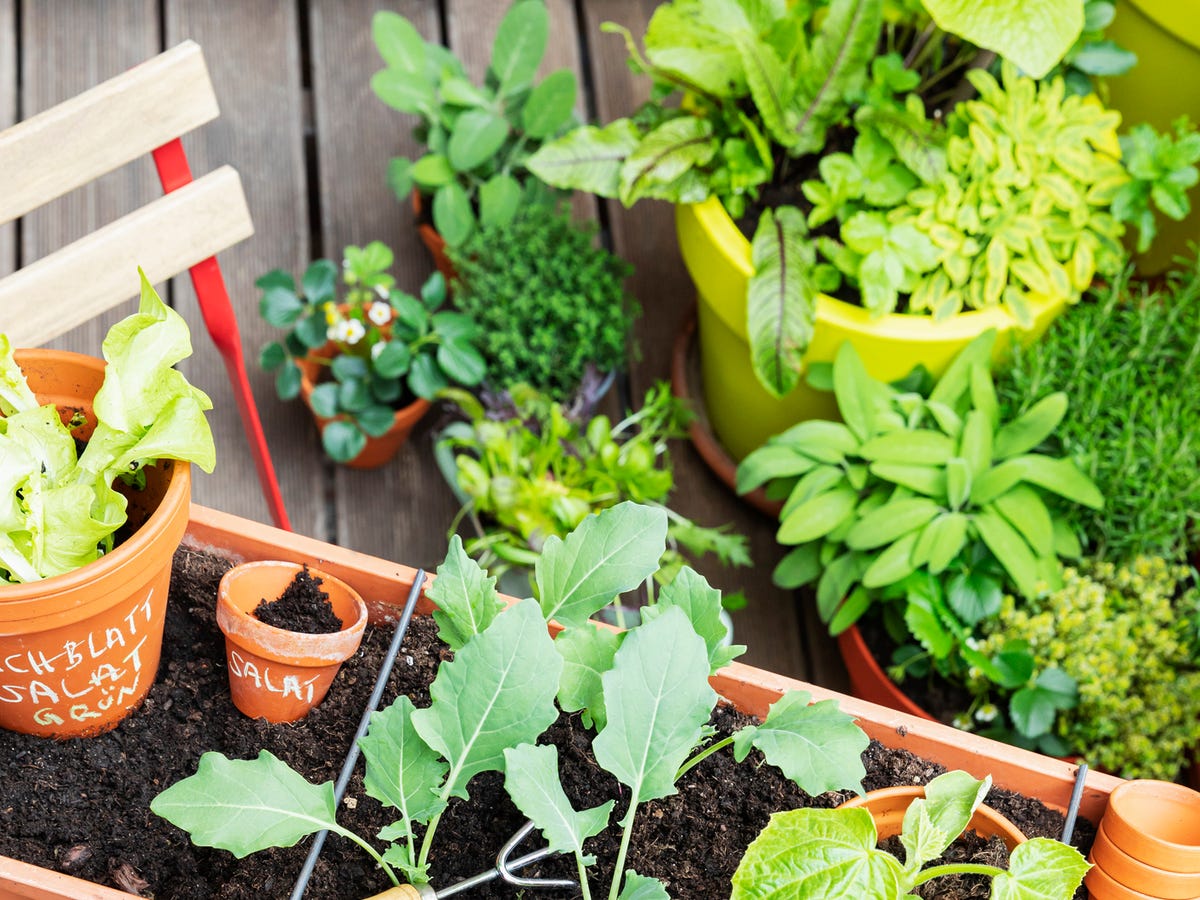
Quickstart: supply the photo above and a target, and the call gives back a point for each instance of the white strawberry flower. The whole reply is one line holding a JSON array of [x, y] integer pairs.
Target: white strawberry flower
[[349, 331], [379, 313]]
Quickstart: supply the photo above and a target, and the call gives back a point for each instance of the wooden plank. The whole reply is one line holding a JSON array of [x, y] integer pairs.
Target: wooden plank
[[101, 129], [71, 285], [70, 47], [645, 236], [253, 53], [400, 511], [8, 115]]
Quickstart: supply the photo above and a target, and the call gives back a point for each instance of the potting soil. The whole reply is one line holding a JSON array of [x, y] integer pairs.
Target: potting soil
[[302, 607], [82, 806]]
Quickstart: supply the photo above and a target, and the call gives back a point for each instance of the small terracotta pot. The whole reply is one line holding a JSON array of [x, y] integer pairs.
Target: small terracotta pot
[[80, 651], [1156, 823], [887, 808], [276, 674], [434, 242], [378, 450], [1131, 874]]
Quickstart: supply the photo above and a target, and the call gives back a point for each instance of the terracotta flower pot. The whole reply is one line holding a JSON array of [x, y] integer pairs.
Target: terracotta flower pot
[[1156, 823], [434, 242], [276, 674], [1133, 876], [887, 808], [80, 651], [378, 450]]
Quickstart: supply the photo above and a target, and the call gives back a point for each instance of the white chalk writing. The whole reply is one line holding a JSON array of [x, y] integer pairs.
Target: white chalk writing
[[265, 680]]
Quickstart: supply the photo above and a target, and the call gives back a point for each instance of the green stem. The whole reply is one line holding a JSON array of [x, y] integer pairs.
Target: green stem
[[427, 841], [703, 755], [956, 869], [583, 881], [375, 854], [626, 835]]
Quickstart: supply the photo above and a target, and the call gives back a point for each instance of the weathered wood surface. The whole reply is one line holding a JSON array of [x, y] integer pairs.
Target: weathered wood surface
[[299, 121]]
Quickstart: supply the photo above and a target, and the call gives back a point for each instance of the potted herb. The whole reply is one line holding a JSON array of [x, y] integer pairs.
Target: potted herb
[[533, 469], [477, 136], [925, 509], [876, 180], [550, 305], [367, 363], [85, 556]]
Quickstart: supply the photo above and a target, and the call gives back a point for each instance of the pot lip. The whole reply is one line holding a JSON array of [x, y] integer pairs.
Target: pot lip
[[176, 495], [905, 794], [731, 245], [1106, 854], [279, 644], [1158, 852], [1109, 886]]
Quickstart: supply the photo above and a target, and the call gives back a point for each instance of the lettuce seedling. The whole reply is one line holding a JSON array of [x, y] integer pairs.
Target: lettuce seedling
[[821, 853], [59, 512], [646, 690]]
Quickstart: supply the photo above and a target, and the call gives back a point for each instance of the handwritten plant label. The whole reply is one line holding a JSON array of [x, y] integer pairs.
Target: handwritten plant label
[[258, 674]]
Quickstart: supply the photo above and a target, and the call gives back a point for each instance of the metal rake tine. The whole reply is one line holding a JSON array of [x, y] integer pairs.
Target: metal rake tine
[[506, 867]]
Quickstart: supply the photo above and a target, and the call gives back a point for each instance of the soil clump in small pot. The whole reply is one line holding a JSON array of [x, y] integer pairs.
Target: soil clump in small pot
[[302, 607]]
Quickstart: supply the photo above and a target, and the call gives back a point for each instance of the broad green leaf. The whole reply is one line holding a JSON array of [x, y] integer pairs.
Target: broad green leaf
[[918, 140], [549, 105], [818, 481], [1023, 508], [1033, 35], [658, 701], [781, 299], [497, 692], [974, 596], [587, 654], [769, 83], [827, 442], [851, 610], [815, 745], [609, 553], [402, 770], [587, 159], [783, 862], [799, 567], [926, 448], [976, 446], [837, 579], [461, 362], [399, 43], [927, 480], [932, 823], [769, 462], [923, 622], [342, 440], [958, 482], [1040, 869], [642, 887], [695, 44], [432, 171], [477, 136], [701, 603], [956, 380], [452, 215], [404, 92], [531, 780], [247, 805], [1010, 549], [519, 45], [1027, 431], [465, 596], [941, 542], [499, 200], [858, 394], [834, 69], [983, 394], [893, 564], [1059, 476], [818, 516], [664, 155], [891, 521], [1032, 711]]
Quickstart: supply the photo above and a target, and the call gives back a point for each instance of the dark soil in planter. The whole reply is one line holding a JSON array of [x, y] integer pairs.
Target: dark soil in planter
[[302, 607], [969, 848], [82, 806]]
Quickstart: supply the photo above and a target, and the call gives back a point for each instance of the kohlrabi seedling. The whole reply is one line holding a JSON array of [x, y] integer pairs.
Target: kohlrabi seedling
[[818, 853], [645, 690]]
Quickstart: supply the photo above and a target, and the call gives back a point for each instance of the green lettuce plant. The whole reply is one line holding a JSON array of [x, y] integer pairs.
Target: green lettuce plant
[[927, 200], [1127, 636], [492, 701], [382, 347], [477, 136], [548, 302], [58, 508], [814, 853]]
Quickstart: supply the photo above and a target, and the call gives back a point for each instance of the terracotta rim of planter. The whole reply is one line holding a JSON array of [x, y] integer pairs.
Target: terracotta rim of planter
[[434, 242], [888, 805], [1157, 823], [685, 382], [1137, 875], [378, 450]]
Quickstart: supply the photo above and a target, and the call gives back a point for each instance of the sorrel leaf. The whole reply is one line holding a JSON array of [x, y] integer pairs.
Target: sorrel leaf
[[466, 597], [247, 805], [402, 770], [497, 692], [531, 779]]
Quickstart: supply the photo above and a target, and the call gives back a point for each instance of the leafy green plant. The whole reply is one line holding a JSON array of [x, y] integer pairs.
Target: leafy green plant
[[811, 853], [1161, 167], [1131, 435], [381, 346], [419, 761], [1126, 634], [477, 137], [547, 301], [60, 510], [927, 200], [534, 471]]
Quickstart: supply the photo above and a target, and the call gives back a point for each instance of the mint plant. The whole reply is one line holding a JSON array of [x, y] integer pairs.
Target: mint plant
[[477, 136], [815, 853], [491, 702]]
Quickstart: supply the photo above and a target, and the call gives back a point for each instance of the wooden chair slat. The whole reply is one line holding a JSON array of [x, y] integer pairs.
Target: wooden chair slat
[[70, 286], [99, 130]]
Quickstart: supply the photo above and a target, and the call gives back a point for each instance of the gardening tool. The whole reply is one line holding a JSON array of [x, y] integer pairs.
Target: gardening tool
[[504, 869]]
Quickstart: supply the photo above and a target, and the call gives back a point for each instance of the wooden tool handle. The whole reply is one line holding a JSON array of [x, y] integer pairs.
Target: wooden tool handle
[[406, 892]]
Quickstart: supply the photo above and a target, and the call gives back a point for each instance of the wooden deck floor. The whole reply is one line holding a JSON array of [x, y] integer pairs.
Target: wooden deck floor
[[311, 141]]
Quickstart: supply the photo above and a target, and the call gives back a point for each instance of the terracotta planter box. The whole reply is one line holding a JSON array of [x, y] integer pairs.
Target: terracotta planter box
[[751, 690]]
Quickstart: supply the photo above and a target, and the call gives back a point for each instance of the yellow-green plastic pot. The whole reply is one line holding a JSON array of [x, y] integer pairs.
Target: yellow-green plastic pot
[[743, 414], [1165, 84]]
